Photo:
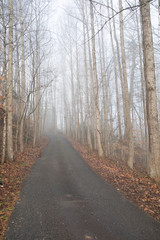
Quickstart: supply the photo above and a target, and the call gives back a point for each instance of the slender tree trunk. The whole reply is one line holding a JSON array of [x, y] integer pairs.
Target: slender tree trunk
[[128, 124], [80, 94], [18, 92], [151, 98], [95, 83], [89, 142], [93, 114], [5, 89], [78, 133], [55, 111], [34, 103], [143, 87], [72, 94], [104, 136], [132, 85], [159, 20], [4, 134], [111, 125], [119, 64], [10, 84], [23, 82], [37, 78], [105, 81], [44, 116], [39, 98], [37, 89], [116, 80], [65, 102]]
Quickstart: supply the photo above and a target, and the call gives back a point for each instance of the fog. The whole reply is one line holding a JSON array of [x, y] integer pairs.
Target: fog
[[79, 67], [65, 25]]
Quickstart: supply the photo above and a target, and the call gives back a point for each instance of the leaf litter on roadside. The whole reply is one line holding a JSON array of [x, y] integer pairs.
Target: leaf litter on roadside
[[137, 187], [12, 175]]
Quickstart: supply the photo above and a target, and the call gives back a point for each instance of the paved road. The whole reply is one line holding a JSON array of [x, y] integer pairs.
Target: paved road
[[63, 199]]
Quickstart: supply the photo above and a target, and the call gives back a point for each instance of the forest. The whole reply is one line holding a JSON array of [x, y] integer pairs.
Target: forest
[[91, 72], [89, 69]]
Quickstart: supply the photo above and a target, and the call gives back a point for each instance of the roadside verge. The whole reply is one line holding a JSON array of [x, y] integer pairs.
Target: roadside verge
[[135, 186], [12, 175]]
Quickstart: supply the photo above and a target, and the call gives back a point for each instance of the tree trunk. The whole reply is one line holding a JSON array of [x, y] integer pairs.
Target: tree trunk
[[89, 142], [105, 82], [119, 64], [10, 84], [18, 92], [151, 98], [72, 94], [23, 82], [37, 89], [128, 124], [55, 110], [132, 85], [80, 94], [143, 87], [5, 89], [95, 84], [93, 115], [116, 81]]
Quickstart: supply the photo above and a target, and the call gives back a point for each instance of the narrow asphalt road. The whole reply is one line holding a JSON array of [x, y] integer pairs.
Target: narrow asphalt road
[[63, 199]]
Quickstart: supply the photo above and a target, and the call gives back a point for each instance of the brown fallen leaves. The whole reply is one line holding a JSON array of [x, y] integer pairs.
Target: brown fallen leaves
[[137, 187], [12, 175]]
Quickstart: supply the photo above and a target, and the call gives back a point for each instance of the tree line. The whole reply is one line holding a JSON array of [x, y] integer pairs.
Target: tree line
[[96, 80], [112, 104], [25, 73]]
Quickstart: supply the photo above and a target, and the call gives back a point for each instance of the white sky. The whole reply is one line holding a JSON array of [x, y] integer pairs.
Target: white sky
[[60, 5]]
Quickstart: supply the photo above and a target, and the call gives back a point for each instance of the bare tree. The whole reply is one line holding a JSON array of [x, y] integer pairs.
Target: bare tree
[[5, 85], [151, 98], [86, 80], [10, 84], [128, 124], [23, 81], [95, 84]]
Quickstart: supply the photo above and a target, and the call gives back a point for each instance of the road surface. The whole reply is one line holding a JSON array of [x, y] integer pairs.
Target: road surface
[[63, 199]]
